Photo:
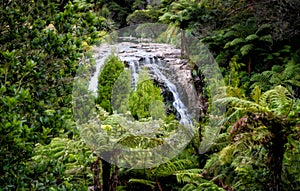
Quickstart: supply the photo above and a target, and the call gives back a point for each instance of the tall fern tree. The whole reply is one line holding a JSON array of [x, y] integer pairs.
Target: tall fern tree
[[268, 119], [248, 40]]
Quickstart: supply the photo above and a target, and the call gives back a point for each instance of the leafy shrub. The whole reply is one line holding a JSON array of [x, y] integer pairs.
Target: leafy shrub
[[146, 93], [112, 69]]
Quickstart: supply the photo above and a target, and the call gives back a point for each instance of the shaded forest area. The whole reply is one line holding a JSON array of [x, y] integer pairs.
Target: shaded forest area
[[256, 44]]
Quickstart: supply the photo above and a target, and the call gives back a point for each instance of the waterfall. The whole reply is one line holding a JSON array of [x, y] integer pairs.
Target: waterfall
[[133, 66], [102, 53], [155, 66], [158, 71]]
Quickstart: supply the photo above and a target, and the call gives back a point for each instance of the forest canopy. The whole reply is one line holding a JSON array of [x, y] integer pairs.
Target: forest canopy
[[256, 45]]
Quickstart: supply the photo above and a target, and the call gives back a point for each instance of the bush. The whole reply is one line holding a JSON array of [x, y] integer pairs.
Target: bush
[[113, 67], [145, 99]]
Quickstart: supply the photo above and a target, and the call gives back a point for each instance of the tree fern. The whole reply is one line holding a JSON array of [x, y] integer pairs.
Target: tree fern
[[288, 76], [264, 127]]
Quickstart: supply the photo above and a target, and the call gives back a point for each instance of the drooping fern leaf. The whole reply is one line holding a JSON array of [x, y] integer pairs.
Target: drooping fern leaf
[[246, 49], [143, 181]]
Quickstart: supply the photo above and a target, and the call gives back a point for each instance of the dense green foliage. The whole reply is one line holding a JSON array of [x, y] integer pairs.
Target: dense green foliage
[[256, 45], [39, 52], [146, 96], [112, 69]]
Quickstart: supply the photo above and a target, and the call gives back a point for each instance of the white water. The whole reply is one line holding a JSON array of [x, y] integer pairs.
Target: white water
[[101, 53], [155, 65]]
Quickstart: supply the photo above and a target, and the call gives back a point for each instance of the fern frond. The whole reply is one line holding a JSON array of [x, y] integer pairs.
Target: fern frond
[[256, 94], [187, 176], [266, 38], [241, 104], [278, 100], [251, 37], [143, 181], [246, 49], [262, 80], [263, 28], [230, 33], [209, 137], [226, 154], [234, 42], [171, 167]]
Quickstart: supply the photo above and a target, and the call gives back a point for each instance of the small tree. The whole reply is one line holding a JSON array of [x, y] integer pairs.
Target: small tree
[[112, 69], [140, 100]]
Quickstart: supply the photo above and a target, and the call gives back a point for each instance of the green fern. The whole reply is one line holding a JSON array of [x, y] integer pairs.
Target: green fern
[[172, 167], [246, 49], [187, 176], [143, 181], [278, 100], [288, 76], [251, 37]]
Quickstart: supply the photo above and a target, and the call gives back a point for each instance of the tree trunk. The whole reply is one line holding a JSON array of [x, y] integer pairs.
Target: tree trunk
[[114, 179], [275, 158], [95, 169], [249, 65], [106, 166], [95, 6], [276, 151]]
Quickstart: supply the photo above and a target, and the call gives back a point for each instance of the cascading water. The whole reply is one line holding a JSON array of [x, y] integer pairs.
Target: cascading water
[[134, 74], [161, 73]]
